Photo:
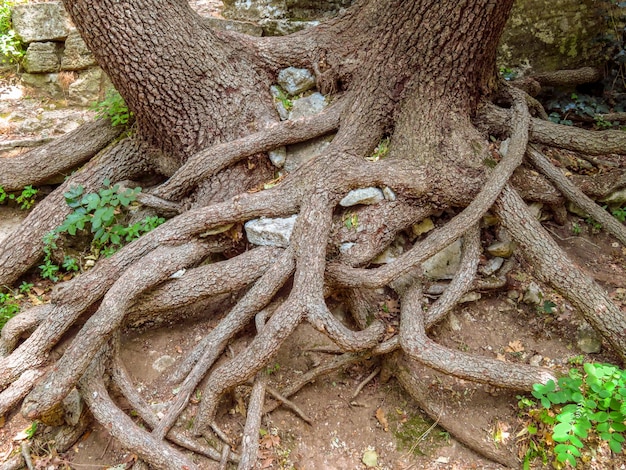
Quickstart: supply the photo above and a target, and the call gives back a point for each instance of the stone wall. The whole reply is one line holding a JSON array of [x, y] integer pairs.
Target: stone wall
[[542, 35], [555, 34], [57, 61]]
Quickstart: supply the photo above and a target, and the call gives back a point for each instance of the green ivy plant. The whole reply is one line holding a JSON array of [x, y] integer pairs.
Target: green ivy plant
[[103, 216], [113, 107], [9, 307], [11, 49], [586, 407], [25, 199]]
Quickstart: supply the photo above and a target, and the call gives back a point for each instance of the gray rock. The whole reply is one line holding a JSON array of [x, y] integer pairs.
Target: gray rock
[[308, 106], [284, 27], [574, 209], [278, 156], [536, 360], [244, 27], [345, 247], [270, 232], [501, 249], [299, 154], [470, 297], [389, 255], [365, 196], [254, 11], [533, 295], [46, 82], [536, 209], [278, 103], [76, 55], [445, 263], [163, 362], [454, 323], [504, 147], [618, 198], [588, 340], [86, 89], [389, 194], [295, 81], [73, 407], [42, 57], [41, 22], [492, 266]]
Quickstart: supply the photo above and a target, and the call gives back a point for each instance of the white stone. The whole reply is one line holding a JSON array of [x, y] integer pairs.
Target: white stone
[[389, 194], [278, 156], [270, 232], [492, 266], [445, 263], [362, 196]]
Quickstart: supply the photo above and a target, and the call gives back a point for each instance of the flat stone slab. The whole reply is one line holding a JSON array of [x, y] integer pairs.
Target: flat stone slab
[[270, 232], [41, 22]]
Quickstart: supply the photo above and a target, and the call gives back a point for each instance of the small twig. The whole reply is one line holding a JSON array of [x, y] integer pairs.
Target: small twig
[[425, 434], [221, 434], [106, 448], [325, 349], [26, 454], [367, 380], [291, 405], [564, 239], [224, 459]]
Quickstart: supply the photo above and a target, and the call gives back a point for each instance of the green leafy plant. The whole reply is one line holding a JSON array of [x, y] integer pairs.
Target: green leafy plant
[[351, 220], [102, 215], [507, 73], [281, 96], [11, 49], [576, 229], [9, 307], [25, 199], [113, 107], [585, 407], [619, 213], [381, 150]]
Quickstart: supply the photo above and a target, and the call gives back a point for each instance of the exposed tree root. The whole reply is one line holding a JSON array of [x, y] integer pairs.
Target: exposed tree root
[[122, 380], [153, 451], [572, 193], [420, 348], [58, 158], [553, 267], [471, 434], [250, 440], [498, 120]]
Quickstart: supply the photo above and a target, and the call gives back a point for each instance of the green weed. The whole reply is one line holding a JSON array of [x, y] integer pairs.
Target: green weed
[[102, 215], [11, 48], [25, 198], [113, 107], [585, 407]]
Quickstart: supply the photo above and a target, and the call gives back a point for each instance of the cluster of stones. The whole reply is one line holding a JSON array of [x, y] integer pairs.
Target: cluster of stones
[[57, 61], [280, 17]]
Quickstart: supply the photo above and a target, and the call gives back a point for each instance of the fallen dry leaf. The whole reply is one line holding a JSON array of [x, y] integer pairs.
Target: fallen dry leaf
[[515, 346], [382, 419]]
